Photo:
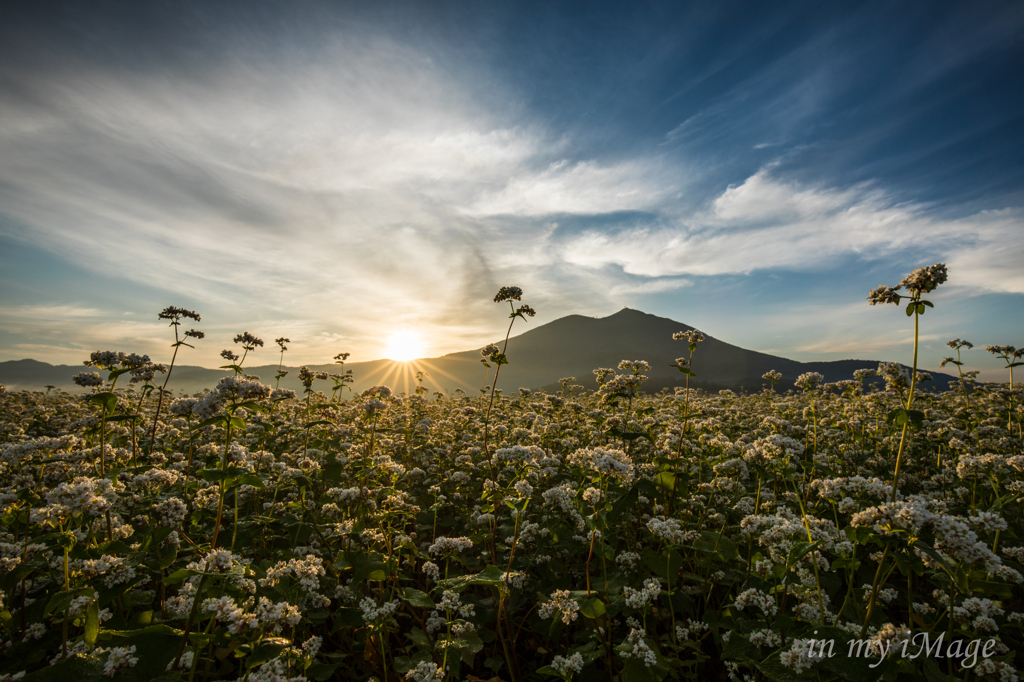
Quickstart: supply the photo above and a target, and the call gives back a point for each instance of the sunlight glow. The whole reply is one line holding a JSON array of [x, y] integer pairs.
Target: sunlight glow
[[403, 346]]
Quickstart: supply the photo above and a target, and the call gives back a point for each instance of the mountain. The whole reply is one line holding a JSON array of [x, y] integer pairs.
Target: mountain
[[571, 346]]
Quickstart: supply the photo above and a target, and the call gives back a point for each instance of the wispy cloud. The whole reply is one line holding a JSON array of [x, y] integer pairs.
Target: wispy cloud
[[582, 187], [766, 223], [323, 195]]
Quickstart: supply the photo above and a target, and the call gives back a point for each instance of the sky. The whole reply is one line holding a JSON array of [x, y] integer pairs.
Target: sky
[[342, 173]]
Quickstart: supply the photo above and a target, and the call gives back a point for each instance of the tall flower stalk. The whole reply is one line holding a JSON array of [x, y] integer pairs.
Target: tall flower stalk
[[685, 366], [957, 345], [918, 283], [249, 343], [341, 380], [281, 373], [504, 294], [1011, 356], [498, 358], [174, 315]]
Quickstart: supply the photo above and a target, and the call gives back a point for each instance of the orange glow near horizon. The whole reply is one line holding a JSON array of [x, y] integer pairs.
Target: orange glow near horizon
[[401, 376]]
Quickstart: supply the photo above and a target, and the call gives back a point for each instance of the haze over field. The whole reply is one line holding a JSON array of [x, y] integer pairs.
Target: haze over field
[[349, 174], [573, 346]]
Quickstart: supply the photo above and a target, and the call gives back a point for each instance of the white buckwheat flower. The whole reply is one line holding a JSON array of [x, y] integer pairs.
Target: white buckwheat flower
[[568, 666], [560, 603]]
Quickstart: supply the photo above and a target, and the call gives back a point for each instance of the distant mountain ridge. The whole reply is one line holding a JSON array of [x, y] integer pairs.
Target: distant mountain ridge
[[571, 346]]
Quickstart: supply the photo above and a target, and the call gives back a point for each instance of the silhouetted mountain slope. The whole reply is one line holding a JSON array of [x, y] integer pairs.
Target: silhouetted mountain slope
[[571, 346]]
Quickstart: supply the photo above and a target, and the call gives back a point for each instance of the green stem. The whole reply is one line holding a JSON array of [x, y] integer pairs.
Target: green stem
[[910, 402], [220, 503], [874, 593], [160, 400], [188, 624], [494, 386], [67, 589]]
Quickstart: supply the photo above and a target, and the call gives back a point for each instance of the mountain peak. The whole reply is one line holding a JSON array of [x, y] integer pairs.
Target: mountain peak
[[573, 345], [634, 316]]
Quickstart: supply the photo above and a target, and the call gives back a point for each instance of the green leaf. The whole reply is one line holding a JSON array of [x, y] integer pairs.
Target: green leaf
[[903, 563], [418, 599], [852, 564], [666, 479], [107, 401], [219, 420], [489, 576], [799, 550], [212, 475], [684, 370], [897, 416], [993, 589], [665, 564], [179, 575], [92, 623], [916, 418], [934, 554], [593, 608], [156, 646], [248, 479], [347, 617], [369, 566], [60, 600], [166, 555], [636, 671], [251, 405], [114, 547], [134, 598], [717, 543], [333, 469], [911, 307], [418, 637], [321, 671], [263, 652], [622, 504]]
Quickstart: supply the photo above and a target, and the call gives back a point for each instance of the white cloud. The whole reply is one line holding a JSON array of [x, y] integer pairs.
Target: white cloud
[[768, 223], [654, 286], [583, 187], [992, 259]]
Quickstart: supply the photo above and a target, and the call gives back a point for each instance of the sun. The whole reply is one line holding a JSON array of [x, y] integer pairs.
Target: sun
[[403, 346]]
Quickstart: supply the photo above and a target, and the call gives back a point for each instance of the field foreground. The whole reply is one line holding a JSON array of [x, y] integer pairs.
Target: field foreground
[[257, 535]]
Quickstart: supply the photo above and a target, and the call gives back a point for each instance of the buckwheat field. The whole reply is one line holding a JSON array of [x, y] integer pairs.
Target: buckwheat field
[[252, 533]]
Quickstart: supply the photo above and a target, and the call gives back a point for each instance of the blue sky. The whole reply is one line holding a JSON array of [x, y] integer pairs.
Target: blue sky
[[339, 172]]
